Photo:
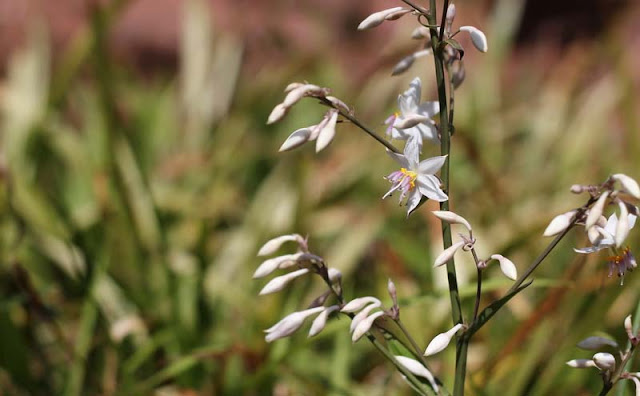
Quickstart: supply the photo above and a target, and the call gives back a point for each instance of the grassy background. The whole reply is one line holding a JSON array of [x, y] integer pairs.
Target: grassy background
[[131, 209]]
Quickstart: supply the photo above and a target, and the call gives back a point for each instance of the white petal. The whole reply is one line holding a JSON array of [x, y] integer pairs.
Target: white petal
[[581, 363], [429, 109], [364, 326], [416, 368], [478, 38], [272, 264], [441, 341], [596, 343], [590, 249], [321, 320], [451, 218], [278, 283], [622, 228], [429, 186], [596, 210], [328, 132], [559, 223], [628, 184], [413, 200], [377, 18], [448, 253], [296, 139], [428, 131], [412, 153], [604, 361], [358, 303], [399, 158], [277, 113], [431, 165], [506, 266]]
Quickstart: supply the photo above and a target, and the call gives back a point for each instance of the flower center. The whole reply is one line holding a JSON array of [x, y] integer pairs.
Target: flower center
[[412, 177]]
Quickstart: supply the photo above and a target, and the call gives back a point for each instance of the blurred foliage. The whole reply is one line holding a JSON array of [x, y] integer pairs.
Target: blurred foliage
[[131, 210]]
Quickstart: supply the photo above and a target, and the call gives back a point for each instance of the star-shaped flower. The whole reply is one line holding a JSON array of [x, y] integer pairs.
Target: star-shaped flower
[[415, 178], [604, 237], [414, 118]]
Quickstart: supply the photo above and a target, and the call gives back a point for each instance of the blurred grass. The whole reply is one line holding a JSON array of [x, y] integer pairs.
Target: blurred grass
[[132, 209]]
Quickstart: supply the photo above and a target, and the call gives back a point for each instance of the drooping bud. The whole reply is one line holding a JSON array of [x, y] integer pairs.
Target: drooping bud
[[559, 223], [506, 266], [300, 92], [358, 303], [629, 185], [448, 253], [478, 38], [364, 326], [338, 104], [270, 265], [278, 283], [604, 361], [416, 368], [277, 113], [292, 86], [377, 18], [289, 324], [581, 363], [596, 210], [451, 218], [272, 245], [596, 343], [328, 131], [360, 316], [334, 274], [628, 327], [622, 228], [441, 341], [321, 320], [296, 139]]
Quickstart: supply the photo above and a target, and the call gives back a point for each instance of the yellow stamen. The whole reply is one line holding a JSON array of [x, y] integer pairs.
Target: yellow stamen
[[411, 175]]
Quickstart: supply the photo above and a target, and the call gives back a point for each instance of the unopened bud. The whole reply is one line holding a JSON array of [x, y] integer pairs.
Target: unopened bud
[[628, 327], [448, 253], [327, 133], [577, 189], [622, 228], [272, 245], [441, 341], [559, 223], [277, 113], [364, 326], [581, 363], [506, 266], [280, 282], [604, 361], [377, 18], [296, 139], [321, 320], [596, 210], [420, 32], [629, 185], [391, 288], [289, 324], [451, 218], [272, 264], [337, 103], [478, 38], [596, 343], [358, 303], [416, 368]]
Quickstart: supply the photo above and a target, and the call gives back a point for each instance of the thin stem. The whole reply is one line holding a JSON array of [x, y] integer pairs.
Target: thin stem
[[416, 7], [417, 350], [478, 294], [444, 20], [357, 123], [610, 382]]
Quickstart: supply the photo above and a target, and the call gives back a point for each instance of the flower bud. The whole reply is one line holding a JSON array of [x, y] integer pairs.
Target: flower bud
[[328, 131], [391, 288], [358, 303], [278, 283], [604, 361], [628, 327], [270, 265], [411, 121], [629, 185], [577, 189], [321, 320], [506, 266], [292, 86], [416, 368], [451, 218], [272, 245], [277, 113], [296, 139], [364, 326], [355, 321], [448, 253], [289, 324], [298, 93], [338, 104], [559, 223], [420, 32], [478, 38], [377, 18], [441, 341], [596, 343], [334, 274], [581, 363], [596, 210], [623, 227], [404, 65]]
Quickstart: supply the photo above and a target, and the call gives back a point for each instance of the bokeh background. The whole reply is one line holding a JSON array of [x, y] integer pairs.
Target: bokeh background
[[139, 179]]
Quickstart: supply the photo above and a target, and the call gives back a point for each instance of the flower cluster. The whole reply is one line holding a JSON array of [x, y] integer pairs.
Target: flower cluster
[[305, 262], [322, 132], [605, 233], [606, 362]]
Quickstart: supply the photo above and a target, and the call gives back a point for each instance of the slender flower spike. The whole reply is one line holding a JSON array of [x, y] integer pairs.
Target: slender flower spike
[[451, 218], [478, 38], [280, 282], [364, 326], [629, 185], [416, 368], [289, 324], [604, 361], [414, 118], [448, 254], [581, 363], [559, 223], [596, 343], [321, 320], [274, 244], [415, 179], [506, 266], [441, 341]]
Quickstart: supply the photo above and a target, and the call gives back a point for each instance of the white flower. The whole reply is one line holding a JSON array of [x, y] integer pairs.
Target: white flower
[[377, 18], [415, 179], [628, 184], [506, 266], [478, 38], [416, 368], [289, 324], [605, 236], [441, 341], [414, 118]]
